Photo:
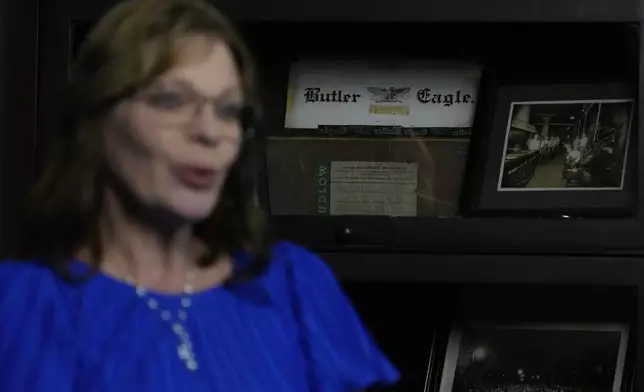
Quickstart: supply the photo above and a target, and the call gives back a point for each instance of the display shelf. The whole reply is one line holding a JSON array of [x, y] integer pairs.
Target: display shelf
[[408, 10], [519, 269], [497, 46], [467, 235]]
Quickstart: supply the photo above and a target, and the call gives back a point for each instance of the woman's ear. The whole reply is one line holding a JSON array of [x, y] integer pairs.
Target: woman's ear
[[249, 118]]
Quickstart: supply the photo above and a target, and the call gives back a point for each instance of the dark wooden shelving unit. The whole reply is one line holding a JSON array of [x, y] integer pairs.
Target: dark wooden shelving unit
[[406, 10], [437, 266], [487, 269], [431, 264], [18, 66], [468, 235]]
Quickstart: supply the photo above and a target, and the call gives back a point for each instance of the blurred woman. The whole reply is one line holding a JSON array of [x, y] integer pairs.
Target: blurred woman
[[145, 265]]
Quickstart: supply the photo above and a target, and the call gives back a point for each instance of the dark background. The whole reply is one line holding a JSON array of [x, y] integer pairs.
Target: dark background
[[409, 278]]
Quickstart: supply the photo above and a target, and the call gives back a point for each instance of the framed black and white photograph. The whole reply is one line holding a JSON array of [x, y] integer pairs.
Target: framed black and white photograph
[[544, 357], [559, 149], [566, 145]]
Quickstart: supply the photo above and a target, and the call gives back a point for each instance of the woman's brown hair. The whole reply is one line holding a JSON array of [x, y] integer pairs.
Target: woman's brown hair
[[63, 212]]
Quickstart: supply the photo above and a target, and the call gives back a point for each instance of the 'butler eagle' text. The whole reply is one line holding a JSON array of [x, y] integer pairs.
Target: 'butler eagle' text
[[426, 95], [315, 94]]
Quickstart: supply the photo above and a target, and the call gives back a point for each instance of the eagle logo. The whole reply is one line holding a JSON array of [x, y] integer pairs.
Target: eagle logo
[[389, 95]]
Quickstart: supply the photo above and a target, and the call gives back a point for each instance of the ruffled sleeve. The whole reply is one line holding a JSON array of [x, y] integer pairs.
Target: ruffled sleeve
[[343, 357], [32, 357]]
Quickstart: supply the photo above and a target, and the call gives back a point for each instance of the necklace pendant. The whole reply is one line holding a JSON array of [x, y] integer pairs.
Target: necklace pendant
[[184, 352], [192, 365]]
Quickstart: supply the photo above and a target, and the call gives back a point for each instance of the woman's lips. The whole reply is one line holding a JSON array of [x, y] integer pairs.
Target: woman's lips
[[196, 177]]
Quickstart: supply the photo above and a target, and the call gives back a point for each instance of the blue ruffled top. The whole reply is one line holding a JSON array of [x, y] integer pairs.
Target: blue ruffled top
[[291, 329]]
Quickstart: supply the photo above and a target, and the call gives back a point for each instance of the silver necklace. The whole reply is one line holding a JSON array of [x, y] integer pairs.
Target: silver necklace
[[177, 323]]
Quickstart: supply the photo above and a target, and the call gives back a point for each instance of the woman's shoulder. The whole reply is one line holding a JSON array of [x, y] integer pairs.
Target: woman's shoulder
[[26, 287], [31, 294], [290, 262], [342, 352], [29, 326], [286, 255], [18, 277], [287, 250], [284, 260], [18, 266]]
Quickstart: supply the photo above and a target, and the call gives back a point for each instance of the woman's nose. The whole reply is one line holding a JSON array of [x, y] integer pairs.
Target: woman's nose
[[206, 126]]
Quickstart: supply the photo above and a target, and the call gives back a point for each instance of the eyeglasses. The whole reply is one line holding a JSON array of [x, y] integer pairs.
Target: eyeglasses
[[181, 106]]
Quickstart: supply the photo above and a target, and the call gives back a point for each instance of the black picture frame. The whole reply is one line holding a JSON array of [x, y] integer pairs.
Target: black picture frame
[[479, 355], [486, 197]]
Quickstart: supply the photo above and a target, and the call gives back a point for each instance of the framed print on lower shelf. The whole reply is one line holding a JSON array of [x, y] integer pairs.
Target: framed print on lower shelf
[[536, 357], [563, 149]]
